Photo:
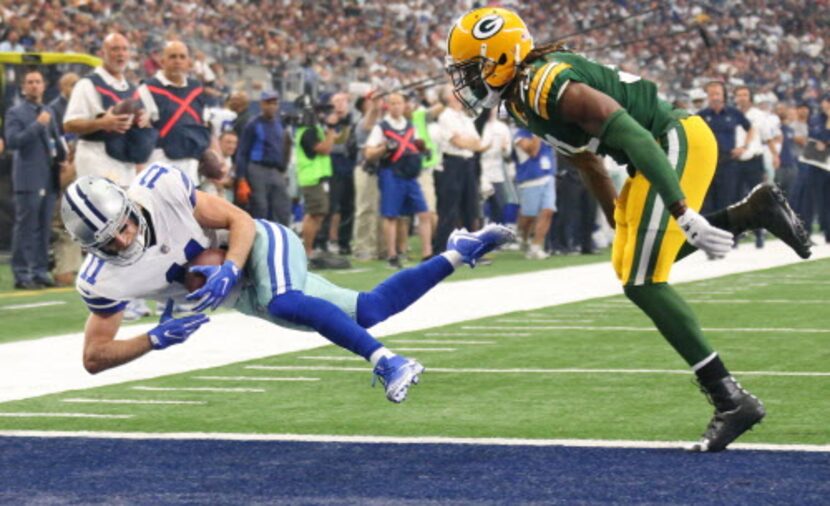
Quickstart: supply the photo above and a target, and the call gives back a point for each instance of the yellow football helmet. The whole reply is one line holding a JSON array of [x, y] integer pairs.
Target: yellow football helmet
[[484, 47]]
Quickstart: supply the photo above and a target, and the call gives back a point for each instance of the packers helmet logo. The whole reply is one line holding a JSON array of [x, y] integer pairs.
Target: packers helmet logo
[[488, 26]]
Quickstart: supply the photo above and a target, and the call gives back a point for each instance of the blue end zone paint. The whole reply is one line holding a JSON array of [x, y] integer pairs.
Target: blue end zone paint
[[106, 471]]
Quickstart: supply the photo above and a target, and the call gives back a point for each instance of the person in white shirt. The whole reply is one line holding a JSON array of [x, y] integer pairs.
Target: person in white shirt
[[751, 161], [495, 180], [95, 124], [457, 186]]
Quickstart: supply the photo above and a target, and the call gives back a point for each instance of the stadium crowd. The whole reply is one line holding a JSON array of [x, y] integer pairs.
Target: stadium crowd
[[330, 152]]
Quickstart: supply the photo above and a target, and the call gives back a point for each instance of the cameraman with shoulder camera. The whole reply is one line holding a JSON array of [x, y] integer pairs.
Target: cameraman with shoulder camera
[[312, 148], [394, 142]]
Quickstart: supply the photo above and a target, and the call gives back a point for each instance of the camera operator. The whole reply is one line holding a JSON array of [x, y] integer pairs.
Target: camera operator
[[313, 143]]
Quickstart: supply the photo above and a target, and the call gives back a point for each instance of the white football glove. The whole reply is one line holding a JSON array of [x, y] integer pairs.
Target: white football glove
[[701, 234]]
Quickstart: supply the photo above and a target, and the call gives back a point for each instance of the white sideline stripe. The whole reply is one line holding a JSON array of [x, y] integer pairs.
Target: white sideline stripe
[[33, 305], [252, 378], [55, 370], [422, 440], [200, 389], [438, 341], [652, 329], [536, 320], [426, 349], [477, 334], [127, 401], [757, 301], [332, 359], [60, 415], [565, 370]]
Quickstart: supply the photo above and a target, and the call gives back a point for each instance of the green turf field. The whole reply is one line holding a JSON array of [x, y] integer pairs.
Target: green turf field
[[593, 369]]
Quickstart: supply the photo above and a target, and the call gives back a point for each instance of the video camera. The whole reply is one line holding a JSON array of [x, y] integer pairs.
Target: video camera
[[305, 112]]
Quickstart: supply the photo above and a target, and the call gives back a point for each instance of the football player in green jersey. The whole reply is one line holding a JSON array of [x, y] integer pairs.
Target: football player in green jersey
[[585, 109]]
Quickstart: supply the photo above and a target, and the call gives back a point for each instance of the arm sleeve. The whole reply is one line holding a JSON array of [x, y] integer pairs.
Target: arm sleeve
[[18, 134], [623, 133], [84, 102]]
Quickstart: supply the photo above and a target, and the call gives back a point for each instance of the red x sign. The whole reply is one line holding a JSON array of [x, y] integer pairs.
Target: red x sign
[[184, 107]]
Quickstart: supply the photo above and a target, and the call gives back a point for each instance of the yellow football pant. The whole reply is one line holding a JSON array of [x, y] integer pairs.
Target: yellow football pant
[[647, 239]]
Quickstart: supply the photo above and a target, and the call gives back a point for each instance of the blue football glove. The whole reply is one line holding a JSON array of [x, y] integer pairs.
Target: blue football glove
[[220, 281], [171, 330]]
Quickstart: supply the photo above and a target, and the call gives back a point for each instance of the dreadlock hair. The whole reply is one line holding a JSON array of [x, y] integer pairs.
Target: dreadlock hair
[[534, 54]]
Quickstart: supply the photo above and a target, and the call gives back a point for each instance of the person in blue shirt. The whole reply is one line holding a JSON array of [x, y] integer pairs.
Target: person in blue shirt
[[261, 162], [535, 168], [723, 119]]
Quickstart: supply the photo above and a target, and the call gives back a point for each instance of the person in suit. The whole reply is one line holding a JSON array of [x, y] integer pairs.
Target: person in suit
[[32, 133]]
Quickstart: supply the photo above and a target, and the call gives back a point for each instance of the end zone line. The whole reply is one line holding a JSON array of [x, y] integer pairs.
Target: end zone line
[[420, 440], [567, 370], [792, 330]]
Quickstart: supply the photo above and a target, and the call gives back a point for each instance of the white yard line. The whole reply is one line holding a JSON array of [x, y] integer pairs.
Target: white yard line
[[424, 349], [437, 341], [200, 389], [478, 334], [82, 400], [33, 305], [756, 330], [252, 378], [61, 415], [422, 440], [332, 359], [53, 364], [564, 370]]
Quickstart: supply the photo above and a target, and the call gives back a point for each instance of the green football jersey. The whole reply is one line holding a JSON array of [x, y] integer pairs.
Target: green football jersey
[[534, 104]]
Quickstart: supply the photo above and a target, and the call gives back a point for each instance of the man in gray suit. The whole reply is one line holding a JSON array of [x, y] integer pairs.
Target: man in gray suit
[[32, 133]]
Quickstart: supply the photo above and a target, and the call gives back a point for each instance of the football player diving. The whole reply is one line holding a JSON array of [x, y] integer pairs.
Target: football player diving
[[140, 242], [586, 110]]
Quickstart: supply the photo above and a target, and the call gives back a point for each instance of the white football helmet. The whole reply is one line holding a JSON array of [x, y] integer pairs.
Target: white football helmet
[[94, 210]]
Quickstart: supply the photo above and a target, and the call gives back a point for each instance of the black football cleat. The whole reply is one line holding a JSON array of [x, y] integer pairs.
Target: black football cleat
[[736, 411], [767, 208]]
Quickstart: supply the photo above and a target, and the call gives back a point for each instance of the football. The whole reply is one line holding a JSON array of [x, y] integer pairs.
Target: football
[[211, 165], [212, 256], [128, 106]]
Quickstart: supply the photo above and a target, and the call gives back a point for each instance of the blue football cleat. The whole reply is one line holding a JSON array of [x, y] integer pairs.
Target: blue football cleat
[[474, 245], [396, 374]]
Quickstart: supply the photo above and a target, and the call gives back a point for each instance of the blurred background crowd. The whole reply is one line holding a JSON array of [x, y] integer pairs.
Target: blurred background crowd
[[336, 71]]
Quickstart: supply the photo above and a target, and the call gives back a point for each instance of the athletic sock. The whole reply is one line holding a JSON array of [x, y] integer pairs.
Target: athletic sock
[[400, 290], [327, 319], [379, 353], [673, 318], [710, 370]]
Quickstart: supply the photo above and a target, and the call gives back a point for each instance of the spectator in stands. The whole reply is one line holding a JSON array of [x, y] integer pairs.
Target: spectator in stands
[[535, 170], [312, 151], [393, 142], [110, 145], [33, 135], [58, 105], [723, 120], [176, 105], [457, 185], [262, 160], [343, 159]]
